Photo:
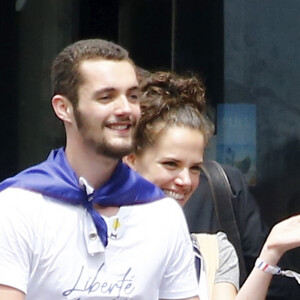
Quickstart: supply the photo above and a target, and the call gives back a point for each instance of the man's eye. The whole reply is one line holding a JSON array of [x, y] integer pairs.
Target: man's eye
[[170, 163], [104, 97]]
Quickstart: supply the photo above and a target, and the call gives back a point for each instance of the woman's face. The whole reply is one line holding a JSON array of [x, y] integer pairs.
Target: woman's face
[[173, 163]]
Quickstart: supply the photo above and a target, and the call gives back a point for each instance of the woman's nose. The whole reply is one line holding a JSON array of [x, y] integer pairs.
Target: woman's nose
[[183, 178]]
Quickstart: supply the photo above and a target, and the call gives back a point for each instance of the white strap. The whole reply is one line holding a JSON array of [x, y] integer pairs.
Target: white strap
[[275, 270], [290, 273]]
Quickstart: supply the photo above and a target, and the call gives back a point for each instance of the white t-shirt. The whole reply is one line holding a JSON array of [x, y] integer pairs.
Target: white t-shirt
[[50, 250]]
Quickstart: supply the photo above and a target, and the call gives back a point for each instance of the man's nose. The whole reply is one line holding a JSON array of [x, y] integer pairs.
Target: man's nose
[[123, 106]]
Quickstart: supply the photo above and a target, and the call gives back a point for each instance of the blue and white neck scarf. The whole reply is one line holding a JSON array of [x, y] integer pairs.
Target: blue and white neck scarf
[[56, 179]]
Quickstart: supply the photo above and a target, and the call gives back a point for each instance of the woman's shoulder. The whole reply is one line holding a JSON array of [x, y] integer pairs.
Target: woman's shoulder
[[228, 270], [226, 249]]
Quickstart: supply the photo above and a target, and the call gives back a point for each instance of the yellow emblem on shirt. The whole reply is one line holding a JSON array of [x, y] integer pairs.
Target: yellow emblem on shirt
[[116, 224]]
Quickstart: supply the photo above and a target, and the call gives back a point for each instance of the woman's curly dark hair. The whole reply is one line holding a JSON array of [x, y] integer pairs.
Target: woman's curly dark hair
[[169, 99]]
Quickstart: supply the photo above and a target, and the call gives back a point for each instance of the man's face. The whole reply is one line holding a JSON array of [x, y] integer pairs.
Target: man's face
[[108, 107]]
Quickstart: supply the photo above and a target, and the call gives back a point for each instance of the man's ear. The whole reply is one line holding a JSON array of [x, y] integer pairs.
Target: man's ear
[[62, 108], [129, 160]]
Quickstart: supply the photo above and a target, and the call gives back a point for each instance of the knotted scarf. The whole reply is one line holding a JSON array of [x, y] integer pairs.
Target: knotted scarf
[[56, 179]]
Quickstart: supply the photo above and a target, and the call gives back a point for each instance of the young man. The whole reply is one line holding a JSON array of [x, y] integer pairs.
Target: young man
[[81, 225]]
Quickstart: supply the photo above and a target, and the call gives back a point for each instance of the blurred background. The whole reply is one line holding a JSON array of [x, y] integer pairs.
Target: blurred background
[[246, 51]]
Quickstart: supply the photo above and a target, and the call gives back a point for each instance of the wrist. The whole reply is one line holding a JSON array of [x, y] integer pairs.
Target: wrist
[[265, 267], [270, 255], [275, 270]]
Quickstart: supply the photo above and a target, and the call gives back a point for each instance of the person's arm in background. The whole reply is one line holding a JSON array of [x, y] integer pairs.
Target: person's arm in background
[[283, 237]]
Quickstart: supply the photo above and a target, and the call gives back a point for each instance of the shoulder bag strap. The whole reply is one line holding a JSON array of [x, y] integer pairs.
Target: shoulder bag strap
[[222, 197]]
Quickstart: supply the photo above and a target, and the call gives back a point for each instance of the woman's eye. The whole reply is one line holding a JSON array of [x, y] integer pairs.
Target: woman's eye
[[196, 169], [134, 96]]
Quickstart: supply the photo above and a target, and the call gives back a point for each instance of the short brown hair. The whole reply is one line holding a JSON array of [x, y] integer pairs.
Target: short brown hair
[[65, 75]]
